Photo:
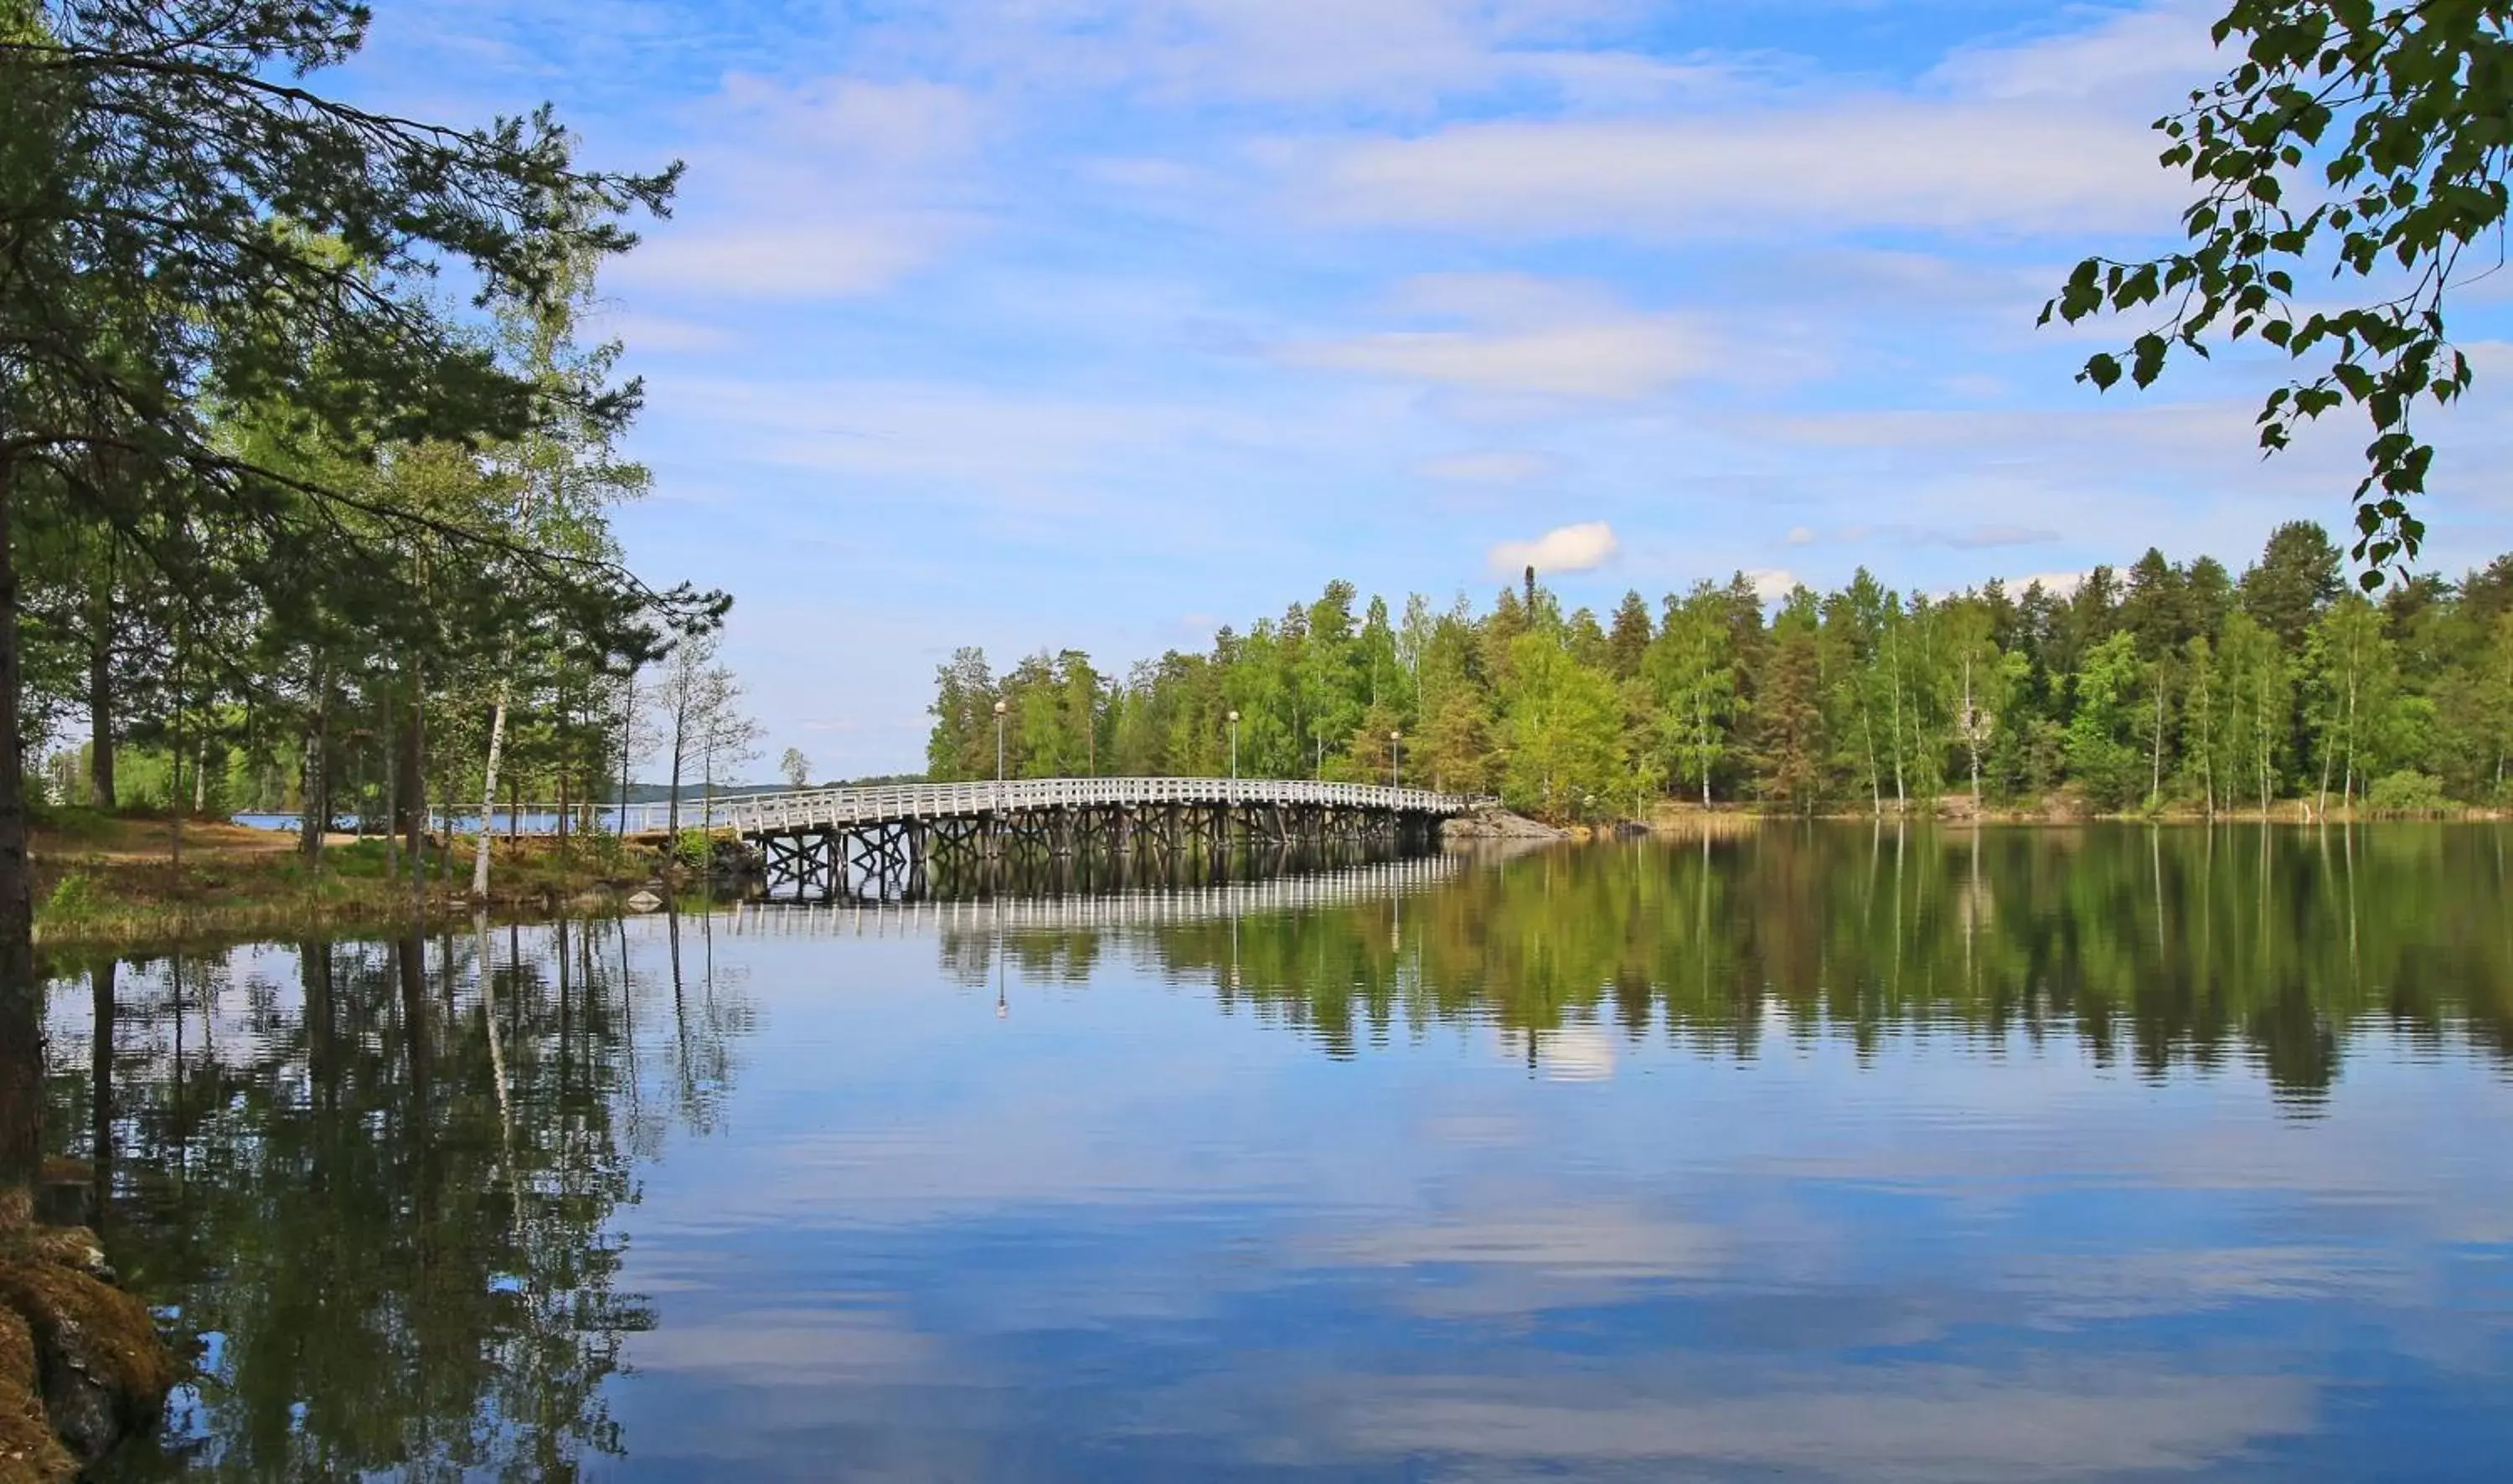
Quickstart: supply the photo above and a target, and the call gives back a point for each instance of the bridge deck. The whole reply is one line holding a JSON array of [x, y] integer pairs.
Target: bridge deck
[[813, 810]]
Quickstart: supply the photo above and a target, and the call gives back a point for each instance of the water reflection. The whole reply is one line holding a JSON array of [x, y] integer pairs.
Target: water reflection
[[1831, 1154], [2157, 948], [377, 1184]]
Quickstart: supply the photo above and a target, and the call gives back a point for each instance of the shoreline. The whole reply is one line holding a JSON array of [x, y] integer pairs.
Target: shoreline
[[111, 882]]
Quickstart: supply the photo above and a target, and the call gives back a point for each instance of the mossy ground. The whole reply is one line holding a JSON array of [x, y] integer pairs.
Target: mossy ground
[[29, 1454]]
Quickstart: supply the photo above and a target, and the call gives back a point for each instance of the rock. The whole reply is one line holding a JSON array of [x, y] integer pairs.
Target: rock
[[102, 1371], [643, 901], [29, 1454], [1498, 824]]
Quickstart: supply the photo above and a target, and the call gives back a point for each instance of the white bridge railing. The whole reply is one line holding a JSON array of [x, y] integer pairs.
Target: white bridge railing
[[812, 809]]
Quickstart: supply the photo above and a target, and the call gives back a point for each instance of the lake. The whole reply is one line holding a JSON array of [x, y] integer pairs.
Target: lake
[[1830, 1153]]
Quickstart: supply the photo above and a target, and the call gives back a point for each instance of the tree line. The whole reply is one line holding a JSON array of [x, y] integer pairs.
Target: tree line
[[2173, 684]]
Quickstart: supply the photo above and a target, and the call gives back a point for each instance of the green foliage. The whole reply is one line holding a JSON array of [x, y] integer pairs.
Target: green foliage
[[2408, 792], [76, 898], [2365, 139], [2103, 756]]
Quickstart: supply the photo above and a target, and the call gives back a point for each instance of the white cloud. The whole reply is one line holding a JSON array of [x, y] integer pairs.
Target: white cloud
[[1874, 162], [1614, 361], [2046, 135], [1772, 583], [1495, 467], [1580, 548], [2152, 57], [1391, 55], [1528, 334]]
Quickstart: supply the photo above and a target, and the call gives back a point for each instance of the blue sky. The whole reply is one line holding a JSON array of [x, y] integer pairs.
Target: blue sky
[[1037, 323]]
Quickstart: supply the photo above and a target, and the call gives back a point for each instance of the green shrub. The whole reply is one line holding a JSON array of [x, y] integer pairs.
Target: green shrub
[[2408, 792], [75, 900]]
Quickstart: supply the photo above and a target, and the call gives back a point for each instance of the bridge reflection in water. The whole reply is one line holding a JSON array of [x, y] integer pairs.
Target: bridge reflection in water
[[1301, 887], [1060, 835]]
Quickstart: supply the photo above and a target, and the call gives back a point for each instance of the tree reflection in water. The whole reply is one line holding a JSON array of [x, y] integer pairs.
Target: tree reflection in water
[[2164, 948], [375, 1186]]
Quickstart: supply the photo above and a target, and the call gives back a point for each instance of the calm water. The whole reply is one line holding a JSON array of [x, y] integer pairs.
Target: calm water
[[2097, 1153]]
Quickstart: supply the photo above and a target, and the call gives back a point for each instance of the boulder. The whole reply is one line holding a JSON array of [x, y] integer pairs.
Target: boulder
[[100, 1368]]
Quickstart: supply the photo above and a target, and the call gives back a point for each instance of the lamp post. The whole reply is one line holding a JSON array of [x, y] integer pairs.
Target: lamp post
[[1395, 759], [1234, 744], [999, 741]]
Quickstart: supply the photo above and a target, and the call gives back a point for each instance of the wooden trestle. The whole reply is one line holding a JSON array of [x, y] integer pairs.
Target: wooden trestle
[[818, 856]]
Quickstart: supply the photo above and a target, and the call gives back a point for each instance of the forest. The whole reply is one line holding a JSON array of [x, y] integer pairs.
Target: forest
[[2174, 686]]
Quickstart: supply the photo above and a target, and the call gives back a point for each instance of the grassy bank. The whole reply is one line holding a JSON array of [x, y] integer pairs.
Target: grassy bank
[[104, 880]]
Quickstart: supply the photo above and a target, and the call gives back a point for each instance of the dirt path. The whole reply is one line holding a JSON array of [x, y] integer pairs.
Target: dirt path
[[123, 838]]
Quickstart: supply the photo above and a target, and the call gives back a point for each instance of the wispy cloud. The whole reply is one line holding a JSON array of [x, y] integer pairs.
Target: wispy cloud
[[830, 188], [1525, 334]]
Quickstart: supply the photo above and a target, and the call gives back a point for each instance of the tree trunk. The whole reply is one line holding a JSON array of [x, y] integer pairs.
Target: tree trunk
[[1875, 778], [314, 777], [2347, 788], [488, 794], [628, 748], [1971, 738], [21, 1047], [2155, 787], [409, 775], [2261, 722], [174, 803], [680, 754], [2206, 740], [2320, 800], [100, 691], [1702, 727]]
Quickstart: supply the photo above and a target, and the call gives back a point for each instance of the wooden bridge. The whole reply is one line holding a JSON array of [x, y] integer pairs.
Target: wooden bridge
[[902, 840]]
